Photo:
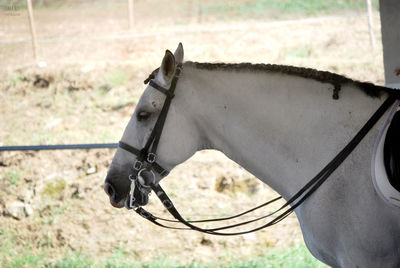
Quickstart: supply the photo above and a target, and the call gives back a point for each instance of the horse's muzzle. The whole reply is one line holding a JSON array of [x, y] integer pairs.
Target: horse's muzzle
[[110, 191]]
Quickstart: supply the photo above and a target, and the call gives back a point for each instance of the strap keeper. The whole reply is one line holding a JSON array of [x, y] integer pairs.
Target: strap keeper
[[151, 158], [137, 165]]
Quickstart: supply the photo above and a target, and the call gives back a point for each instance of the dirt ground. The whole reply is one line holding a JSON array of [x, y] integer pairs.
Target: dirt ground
[[53, 200]]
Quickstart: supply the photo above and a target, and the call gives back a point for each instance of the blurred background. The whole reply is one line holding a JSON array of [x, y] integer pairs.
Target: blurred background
[[80, 83]]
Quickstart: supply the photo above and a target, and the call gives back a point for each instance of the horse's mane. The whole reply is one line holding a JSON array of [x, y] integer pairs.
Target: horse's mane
[[322, 76]]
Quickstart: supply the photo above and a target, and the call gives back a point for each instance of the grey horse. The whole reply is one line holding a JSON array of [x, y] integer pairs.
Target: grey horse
[[282, 125]]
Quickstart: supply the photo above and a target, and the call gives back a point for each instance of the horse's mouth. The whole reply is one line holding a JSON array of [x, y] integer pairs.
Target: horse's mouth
[[139, 199], [119, 204]]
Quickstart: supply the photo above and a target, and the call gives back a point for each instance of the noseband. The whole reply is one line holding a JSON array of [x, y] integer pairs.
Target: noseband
[[141, 184]]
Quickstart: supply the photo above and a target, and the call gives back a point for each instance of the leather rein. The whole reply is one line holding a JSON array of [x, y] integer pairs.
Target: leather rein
[[142, 184]]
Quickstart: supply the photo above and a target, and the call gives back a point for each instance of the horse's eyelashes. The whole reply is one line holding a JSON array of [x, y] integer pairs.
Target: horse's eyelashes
[[143, 115]]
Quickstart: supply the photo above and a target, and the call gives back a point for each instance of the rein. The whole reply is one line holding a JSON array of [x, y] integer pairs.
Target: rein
[[146, 163]]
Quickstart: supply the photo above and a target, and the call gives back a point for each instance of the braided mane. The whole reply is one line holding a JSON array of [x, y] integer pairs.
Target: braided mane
[[322, 76]]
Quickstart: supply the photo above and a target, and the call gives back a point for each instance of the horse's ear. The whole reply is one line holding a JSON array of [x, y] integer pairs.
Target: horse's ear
[[168, 65], [179, 54]]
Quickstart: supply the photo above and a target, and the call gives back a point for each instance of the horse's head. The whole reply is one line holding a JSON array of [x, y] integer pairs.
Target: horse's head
[[153, 143]]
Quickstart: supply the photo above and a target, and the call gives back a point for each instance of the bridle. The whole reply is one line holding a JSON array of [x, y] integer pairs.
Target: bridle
[[146, 157], [146, 162]]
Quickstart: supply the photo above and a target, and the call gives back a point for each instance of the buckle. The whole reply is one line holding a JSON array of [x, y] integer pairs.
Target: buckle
[[151, 158], [137, 165]]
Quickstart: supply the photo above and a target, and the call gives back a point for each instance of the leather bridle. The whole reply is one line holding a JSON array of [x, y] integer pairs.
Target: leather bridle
[[146, 162], [146, 158]]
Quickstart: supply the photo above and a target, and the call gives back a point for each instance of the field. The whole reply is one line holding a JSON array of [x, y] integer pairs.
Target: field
[[53, 211]]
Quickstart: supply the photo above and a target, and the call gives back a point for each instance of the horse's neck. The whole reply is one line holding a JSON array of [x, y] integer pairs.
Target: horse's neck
[[281, 128]]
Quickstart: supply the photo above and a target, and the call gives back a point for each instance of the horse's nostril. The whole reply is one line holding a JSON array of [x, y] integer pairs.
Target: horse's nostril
[[110, 191], [108, 188]]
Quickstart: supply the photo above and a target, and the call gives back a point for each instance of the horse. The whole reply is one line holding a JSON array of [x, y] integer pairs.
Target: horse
[[282, 124]]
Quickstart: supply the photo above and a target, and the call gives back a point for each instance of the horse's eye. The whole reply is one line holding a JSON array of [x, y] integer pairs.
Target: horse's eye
[[141, 116]]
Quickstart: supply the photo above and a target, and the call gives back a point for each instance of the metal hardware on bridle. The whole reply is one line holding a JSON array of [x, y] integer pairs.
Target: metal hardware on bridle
[[146, 160], [132, 199], [139, 183]]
